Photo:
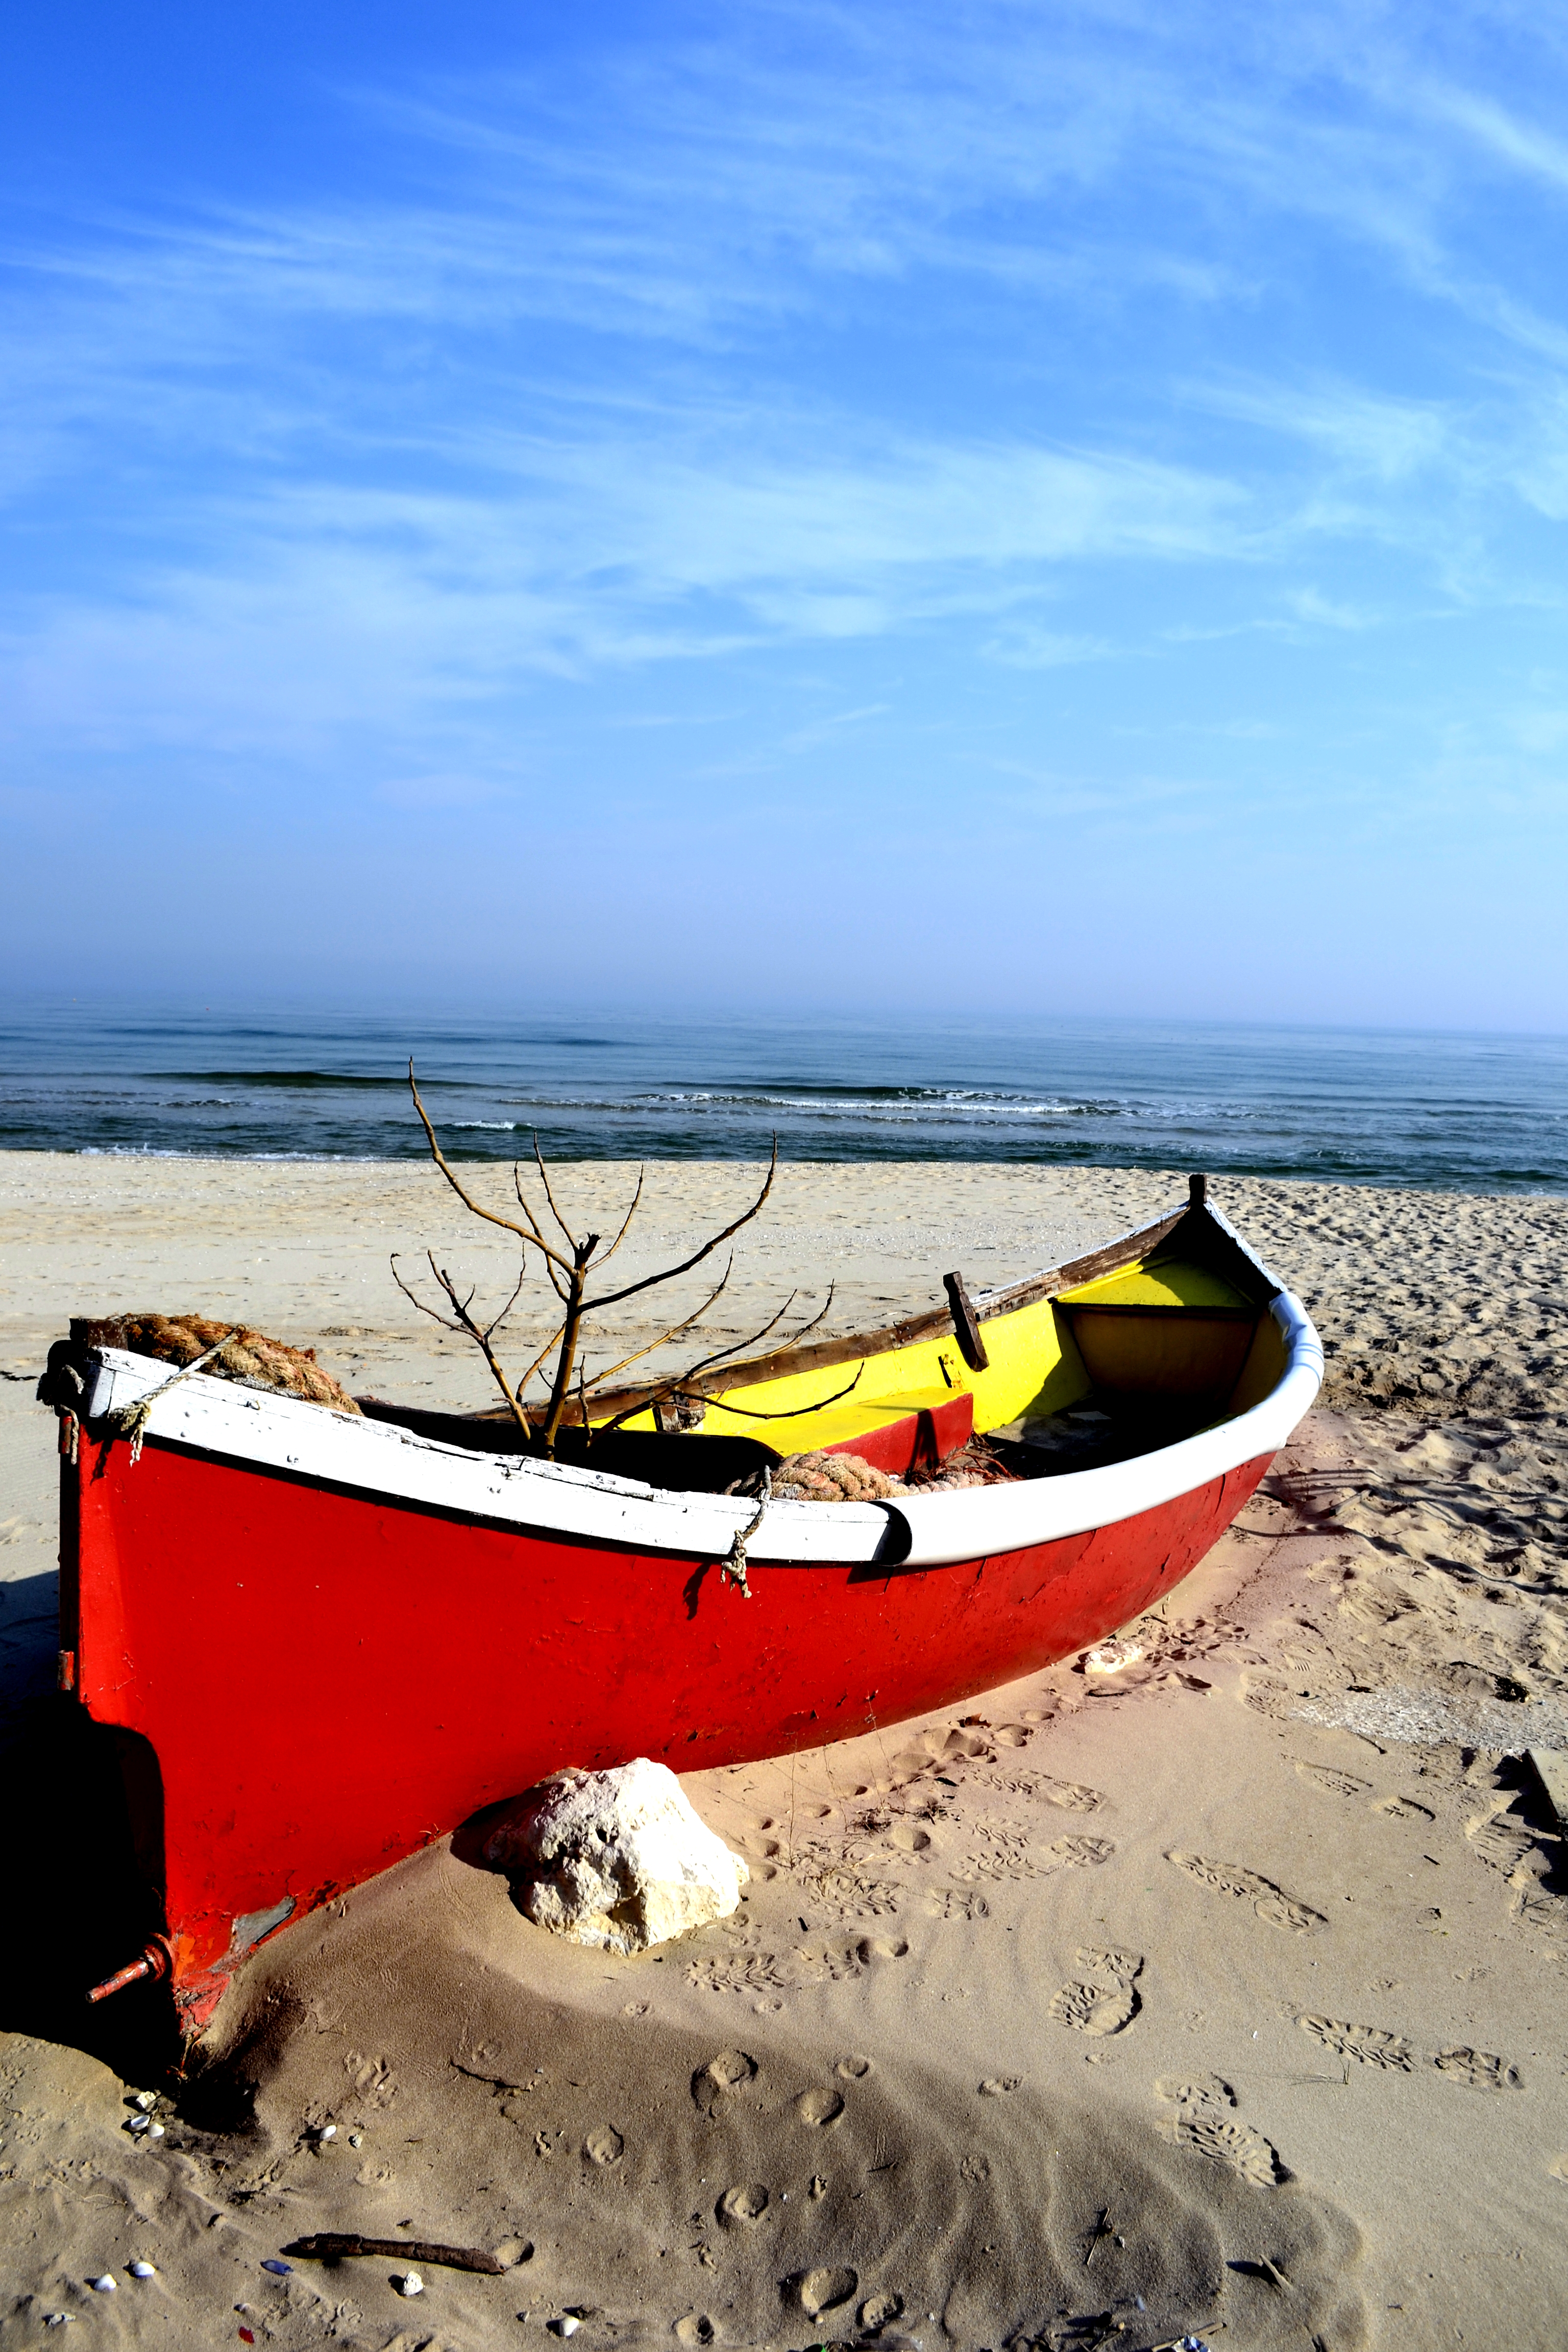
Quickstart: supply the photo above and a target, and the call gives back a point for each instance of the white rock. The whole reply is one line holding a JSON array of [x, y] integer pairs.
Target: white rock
[[410, 2284], [617, 1858]]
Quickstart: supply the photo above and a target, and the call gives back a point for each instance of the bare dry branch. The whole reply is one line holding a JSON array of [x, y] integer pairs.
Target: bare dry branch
[[568, 1271], [627, 1220], [465, 1323], [749, 1412], [507, 1224], [545, 1180], [613, 1298], [415, 1300], [683, 1383], [674, 1332], [552, 1341]]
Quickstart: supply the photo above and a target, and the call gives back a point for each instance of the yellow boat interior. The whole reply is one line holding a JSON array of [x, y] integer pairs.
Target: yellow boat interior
[[1150, 1339]]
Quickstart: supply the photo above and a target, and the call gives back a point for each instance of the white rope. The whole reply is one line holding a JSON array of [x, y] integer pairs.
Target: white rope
[[130, 1420]]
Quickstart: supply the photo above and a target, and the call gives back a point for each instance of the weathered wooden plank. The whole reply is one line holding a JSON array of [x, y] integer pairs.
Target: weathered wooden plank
[[971, 1346], [1126, 1251]]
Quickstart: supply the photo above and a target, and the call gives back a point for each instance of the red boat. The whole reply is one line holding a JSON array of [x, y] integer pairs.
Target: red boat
[[328, 1638]]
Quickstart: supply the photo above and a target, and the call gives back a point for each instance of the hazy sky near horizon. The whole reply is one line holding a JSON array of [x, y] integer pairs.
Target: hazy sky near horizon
[[1037, 507]]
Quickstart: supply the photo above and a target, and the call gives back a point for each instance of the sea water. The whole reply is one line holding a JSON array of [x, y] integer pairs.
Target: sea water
[[1436, 1112]]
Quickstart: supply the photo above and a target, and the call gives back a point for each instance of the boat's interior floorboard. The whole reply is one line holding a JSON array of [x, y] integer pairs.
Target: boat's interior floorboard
[[1096, 1430]]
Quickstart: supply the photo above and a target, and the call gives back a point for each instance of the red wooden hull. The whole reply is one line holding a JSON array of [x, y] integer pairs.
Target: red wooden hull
[[327, 1679]]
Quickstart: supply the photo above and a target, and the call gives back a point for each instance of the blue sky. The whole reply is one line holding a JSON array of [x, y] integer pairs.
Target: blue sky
[[1033, 509]]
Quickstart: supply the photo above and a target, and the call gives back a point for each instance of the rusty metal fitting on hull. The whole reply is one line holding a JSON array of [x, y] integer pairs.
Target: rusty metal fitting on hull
[[155, 1960]]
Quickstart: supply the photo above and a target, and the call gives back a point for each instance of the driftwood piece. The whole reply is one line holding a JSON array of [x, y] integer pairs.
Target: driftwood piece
[[332, 2245]]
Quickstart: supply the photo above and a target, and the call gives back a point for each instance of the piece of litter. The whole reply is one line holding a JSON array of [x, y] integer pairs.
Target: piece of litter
[[145, 2100], [104, 2285], [279, 2269], [142, 2269], [1110, 1657], [410, 2284]]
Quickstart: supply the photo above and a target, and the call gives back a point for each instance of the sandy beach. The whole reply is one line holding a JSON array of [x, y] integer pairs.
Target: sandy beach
[[1233, 1982]]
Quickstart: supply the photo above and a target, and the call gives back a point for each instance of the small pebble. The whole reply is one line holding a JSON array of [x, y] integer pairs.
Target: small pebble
[[279, 2269], [146, 2101], [142, 2269], [327, 2132], [356, 2139], [565, 2325], [411, 2283], [104, 2285], [154, 2131]]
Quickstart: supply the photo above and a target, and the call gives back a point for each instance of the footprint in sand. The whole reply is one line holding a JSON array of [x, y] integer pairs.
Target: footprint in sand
[[1404, 1809], [871, 1948], [603, 2145], [854, 2068], [1103, 1960], [1071, 1796], [751, 1972], [1367, 2044], [1001, 2086], [372, 2078], [1009, 1854], [1245, 2150], [880, 2311], [695, 2328], [728, 2073], [951, 1904], [1202, 2125], [1271, 1904], [1479, 2069], [824, 2290], [1210, 2090], [819, 2108], [910, 1840], [1089, 2007], [1077, 1853], [1323, 1775], [742, 2205]]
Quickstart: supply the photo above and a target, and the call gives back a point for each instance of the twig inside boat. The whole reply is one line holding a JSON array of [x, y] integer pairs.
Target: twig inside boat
[[568, 1264]]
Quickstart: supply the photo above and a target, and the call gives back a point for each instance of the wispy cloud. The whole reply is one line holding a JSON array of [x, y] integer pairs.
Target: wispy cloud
[[829, 327]]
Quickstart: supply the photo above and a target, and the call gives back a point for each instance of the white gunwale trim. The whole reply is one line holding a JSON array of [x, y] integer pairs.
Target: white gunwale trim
[[251, 1426]]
